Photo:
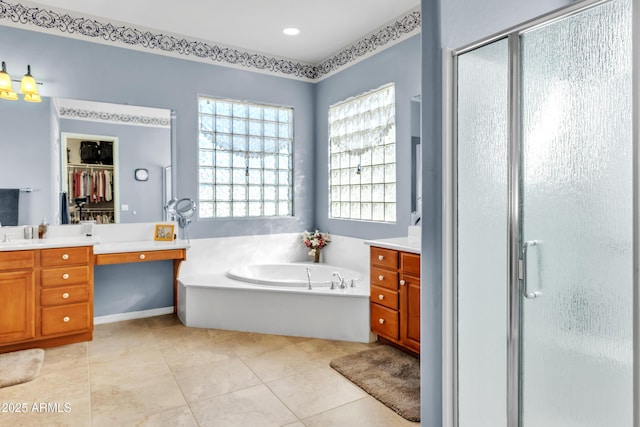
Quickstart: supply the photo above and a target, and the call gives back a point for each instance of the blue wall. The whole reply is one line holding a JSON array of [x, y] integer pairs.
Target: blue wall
[[399, 64], [25, 156], [78, 69]]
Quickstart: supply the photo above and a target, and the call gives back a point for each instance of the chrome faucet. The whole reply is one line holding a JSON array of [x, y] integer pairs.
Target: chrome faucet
[[309, 278], [337, 274], [5, 238]]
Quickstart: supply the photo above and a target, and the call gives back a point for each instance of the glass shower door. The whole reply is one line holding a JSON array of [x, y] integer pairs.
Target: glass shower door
[[576, 221], [482, 255]]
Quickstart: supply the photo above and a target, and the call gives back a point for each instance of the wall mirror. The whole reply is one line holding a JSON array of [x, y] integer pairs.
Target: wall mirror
[[101, 147], [43, 149]]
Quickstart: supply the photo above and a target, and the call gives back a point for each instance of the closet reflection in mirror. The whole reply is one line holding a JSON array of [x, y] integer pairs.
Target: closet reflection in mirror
[[101, 145], [89, 178]]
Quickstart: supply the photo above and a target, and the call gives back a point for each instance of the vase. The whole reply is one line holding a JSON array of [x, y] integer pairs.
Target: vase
[[316, 256]]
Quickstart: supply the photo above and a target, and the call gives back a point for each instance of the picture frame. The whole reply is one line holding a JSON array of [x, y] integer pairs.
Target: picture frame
[[163, 232]]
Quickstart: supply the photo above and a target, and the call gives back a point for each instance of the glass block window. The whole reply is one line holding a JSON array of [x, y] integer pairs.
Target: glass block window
[[362, 157], [245, 159]]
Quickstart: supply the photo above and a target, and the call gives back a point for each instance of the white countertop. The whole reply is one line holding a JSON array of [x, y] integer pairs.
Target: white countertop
[[53, 242], [404, 244], [98, 247]]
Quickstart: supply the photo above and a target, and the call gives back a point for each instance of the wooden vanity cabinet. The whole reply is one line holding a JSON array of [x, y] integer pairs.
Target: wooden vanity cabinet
[[17, 296], [46, 297], [395, 297], [66, 303]]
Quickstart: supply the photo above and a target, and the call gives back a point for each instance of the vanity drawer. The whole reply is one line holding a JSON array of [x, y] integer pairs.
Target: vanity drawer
[[384, 296], [65, 256], [384, 257], [410, 263], [17, 260], [385, 278], [141, 256], [384, 322], [65, 276], [66, 318], [64, 295]]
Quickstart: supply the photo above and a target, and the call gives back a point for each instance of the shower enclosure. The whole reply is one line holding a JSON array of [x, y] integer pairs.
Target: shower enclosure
[[543, 223]]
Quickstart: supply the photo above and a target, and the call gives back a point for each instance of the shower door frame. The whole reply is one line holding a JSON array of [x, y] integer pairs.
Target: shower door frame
[[449, 194]]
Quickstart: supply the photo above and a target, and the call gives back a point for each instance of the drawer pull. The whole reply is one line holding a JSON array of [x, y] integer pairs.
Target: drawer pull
[[381, 277], [65, 276], [380, 297], [381, 321], [65, 256], [65, 295], [402, 282], [142, 256], [380, 257], [66, 319]]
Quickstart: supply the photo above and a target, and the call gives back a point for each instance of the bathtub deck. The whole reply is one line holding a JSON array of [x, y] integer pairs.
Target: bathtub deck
[[215, 301]]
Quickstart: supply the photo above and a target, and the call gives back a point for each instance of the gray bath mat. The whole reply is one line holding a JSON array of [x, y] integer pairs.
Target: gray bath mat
[[388, 374], [20, 366]]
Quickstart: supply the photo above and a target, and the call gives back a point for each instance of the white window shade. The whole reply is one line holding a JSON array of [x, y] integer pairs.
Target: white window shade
[[362, 157]]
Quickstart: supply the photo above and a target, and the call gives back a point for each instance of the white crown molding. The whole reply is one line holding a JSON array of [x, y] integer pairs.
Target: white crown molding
[[89, 28], [112, 113]]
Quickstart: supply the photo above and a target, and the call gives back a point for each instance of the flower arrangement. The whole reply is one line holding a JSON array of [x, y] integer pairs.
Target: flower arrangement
[[314, 241]]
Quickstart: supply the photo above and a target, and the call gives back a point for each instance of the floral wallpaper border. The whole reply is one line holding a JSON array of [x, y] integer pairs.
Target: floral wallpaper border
[[77, 113], [91, 28]]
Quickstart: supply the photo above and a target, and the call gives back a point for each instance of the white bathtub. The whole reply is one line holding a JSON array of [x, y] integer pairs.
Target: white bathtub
[[294, 275], [274, 299]]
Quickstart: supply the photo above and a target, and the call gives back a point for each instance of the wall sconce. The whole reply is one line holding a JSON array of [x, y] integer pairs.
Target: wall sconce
[[28, 86]]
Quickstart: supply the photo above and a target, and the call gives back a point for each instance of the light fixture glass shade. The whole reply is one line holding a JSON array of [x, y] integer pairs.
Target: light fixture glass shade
[[5, 79], [28, 84], [9, 95], [32, 97]]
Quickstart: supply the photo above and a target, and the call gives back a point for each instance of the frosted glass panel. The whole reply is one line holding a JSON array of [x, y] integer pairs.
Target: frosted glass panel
[[577, 202], [483, 84]]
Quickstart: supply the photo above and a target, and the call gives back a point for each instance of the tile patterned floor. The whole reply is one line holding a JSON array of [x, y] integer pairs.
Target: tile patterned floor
[[157, 372]]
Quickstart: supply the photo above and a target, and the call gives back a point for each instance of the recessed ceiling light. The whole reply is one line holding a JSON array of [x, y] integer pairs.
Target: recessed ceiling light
[[290, 31]]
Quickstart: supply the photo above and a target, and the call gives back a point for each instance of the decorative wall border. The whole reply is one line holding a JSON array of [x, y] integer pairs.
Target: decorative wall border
[[400, 29], [130, 119], [47, 19]]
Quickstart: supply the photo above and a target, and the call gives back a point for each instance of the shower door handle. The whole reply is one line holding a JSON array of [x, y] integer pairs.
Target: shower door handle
[[523, 269]]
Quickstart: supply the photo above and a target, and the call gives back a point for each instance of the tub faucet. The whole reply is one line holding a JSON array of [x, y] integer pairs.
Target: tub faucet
[[337, 274], [309, 278], [6, 238]]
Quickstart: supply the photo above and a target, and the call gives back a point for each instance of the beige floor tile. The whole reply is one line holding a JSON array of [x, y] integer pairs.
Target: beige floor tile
[[139, 372], [212, 379], [178, 335], [178, 417], [75, 412], [55, 398], [116, 404], [315, 391], [255, 406], [283, 362], [128, 339], [196, 351], [117, 329], [127, 366], [72, 355], [366, 412], [50, 386], [162, 321], [251, 344], [327, 350]]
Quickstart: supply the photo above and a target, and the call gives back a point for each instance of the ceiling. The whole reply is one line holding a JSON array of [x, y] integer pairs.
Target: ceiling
[[326, 26]]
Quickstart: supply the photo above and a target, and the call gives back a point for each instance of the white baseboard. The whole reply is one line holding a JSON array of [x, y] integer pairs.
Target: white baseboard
[[111, 318]]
